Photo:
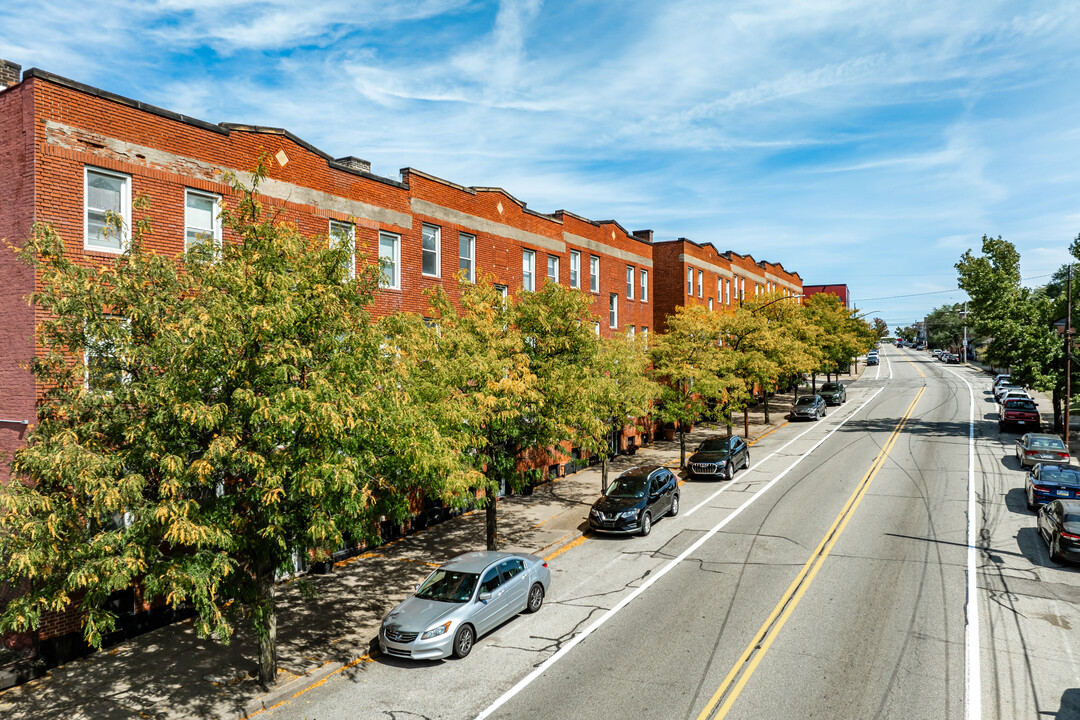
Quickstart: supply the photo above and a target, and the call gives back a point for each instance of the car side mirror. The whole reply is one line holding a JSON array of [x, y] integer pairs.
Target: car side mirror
[[485, 595]]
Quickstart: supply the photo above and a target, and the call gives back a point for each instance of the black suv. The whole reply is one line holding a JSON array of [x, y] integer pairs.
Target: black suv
[[635, 499], [717, 458]]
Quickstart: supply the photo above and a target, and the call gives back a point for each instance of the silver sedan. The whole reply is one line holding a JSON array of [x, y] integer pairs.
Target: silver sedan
[[461, 601]]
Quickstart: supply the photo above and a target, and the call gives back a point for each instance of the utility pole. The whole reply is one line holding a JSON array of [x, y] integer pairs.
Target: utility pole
[[963, 353], [1068, 354]]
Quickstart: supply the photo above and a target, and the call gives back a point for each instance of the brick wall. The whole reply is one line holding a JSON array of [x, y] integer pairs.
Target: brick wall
[[17, 398]]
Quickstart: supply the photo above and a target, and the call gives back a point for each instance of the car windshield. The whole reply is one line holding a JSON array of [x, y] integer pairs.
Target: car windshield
[[448, 586], [1020, 405], [830, 387], [805, 400], [1047, 443], [1067, 476], [628, 486], [714, 446]]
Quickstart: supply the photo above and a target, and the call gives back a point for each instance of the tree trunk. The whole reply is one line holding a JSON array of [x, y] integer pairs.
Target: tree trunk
[[265, 617], [765, 399], [813, 384], [1058, 410], [798, 379], [728, 421], [492, 527], [603, 473], [682, 445]]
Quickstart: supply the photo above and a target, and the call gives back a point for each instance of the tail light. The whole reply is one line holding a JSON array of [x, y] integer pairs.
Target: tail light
[[1069, 536], [1063, 456], [1039, 488], [545, 563], [1031, 452]]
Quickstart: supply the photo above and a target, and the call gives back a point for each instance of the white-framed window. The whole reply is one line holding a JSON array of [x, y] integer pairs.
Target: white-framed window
[[629, 282], [613, 310], [502, 290], [104, 371], [690, 282], [630, 331], [710, 304], [596, 327], [105, 191], [344, 232], [553, 268], [719, 289], [575, 269], [390, 260], [594, 273], [201, 218], [430, 240], [644, 286], [701, 283], [742, 288], [528, 269], [467, 255], [727, 291]]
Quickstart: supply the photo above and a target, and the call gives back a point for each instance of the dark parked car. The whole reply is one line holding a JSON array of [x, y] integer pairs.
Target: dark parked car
[[635, 499], [1035, 448], [717, 458], [1020, 413], [1059, 526], [1051, 482], [833, 393], [462, 600], [953, 359], [808, 407]]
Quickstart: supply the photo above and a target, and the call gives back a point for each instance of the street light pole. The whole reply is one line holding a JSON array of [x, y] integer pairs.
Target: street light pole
[[1068, 355]]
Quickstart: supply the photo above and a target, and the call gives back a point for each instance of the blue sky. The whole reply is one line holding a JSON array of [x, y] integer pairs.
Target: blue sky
[[867, 143]]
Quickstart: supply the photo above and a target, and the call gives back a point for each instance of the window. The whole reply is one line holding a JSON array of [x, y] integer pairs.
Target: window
[[430, 239], [630, 331], [727, 291], [701, 283], [690, 281], [594, 273], [390, 260], [710, 303], [528, 269], [596, 327], [553, 268], [575, 269], [502, 290], [629, 282], [742, 289], [719, 289], [201, 220], [644, 286], [106, 192], [467, 256], [613, 310], [104, 369], [491, 581], [343, 232], [645, 335]]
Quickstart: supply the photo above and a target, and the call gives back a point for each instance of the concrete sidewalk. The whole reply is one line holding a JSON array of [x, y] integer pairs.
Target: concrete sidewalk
[[171, 673]]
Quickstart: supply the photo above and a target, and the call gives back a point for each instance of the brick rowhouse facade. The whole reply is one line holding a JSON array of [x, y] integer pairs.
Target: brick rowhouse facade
[[55, 133], [696, 274], [840, 291]]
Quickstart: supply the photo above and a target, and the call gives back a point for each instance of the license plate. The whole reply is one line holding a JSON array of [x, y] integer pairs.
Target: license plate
[[1063, 493], [1020, 422]]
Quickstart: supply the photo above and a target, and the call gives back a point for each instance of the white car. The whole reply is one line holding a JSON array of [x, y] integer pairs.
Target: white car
[[1015, 395], [1004, 388]]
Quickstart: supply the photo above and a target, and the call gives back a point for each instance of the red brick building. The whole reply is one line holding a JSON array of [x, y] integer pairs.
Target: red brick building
[[694, 274], [840, 291], [68, 151]]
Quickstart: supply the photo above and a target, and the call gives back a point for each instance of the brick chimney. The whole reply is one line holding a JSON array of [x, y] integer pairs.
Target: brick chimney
[[645, 235], [355, 163], [9, 74]]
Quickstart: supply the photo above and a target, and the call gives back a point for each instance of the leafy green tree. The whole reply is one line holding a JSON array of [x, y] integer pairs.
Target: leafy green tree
[[621, 393], [881, 328], [209, 419], [697, 376], [1018, 323], [945, 327], [842, 335]]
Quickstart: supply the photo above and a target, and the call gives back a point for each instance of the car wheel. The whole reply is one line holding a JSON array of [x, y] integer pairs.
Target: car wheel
[[674, 505], [746, 461], [463, 641], [1055, 551], [1001, 426], [729, 472], [1031, 499], [824, 411], [646, 524], [536, 598]]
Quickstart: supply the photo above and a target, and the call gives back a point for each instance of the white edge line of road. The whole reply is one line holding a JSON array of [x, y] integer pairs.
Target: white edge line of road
[[972, 659], [540, 669]]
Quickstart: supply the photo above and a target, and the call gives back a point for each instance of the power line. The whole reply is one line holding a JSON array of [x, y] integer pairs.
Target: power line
[[940, 292]]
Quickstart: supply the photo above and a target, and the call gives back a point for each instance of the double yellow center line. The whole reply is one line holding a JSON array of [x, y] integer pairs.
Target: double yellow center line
[[763, 639]]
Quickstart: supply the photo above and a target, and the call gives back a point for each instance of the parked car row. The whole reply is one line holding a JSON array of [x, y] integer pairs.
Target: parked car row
[[1052, 483]]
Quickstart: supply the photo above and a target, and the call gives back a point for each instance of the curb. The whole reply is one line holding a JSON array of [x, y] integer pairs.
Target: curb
[[289, 690]]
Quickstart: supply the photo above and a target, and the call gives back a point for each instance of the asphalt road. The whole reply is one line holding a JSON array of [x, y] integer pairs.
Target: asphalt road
[[831, 580]]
